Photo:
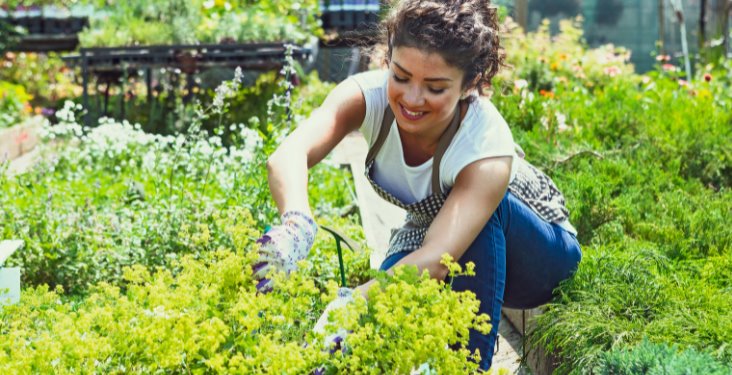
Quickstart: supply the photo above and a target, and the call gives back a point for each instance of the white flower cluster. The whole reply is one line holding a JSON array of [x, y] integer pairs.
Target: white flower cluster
[[561, 122], [125, 145], [288, 71], [67, 127], [227, 89]]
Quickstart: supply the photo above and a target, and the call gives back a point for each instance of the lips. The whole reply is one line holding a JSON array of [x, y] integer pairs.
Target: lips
[[411, 115]]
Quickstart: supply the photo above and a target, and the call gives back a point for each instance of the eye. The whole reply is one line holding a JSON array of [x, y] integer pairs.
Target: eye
[[436, 91], [399, 79]]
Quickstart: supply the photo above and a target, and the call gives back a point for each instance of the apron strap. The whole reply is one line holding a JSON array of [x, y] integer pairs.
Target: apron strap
[[444, 142], [383, 133], [442, 145]]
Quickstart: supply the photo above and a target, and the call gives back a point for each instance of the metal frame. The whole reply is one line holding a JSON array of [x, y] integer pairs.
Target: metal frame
[[190, 59]]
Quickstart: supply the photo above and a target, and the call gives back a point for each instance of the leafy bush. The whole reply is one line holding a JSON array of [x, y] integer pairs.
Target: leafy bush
[[649, 358], [169, 22], [208, 318], [546, 62], [13, 104], [122, 197], [646, 171], [626, 291]]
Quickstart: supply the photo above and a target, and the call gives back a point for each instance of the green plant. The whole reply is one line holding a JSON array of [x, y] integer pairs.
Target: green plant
[[207, 317], [646, 172], [43, 76], [169, 22], [650, 358], [13, 104]]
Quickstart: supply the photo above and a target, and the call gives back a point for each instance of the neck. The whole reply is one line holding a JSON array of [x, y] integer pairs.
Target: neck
[[418, 149]]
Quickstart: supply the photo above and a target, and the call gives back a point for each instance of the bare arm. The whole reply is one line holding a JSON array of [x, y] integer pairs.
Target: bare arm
[[478, 190], [342, 112]]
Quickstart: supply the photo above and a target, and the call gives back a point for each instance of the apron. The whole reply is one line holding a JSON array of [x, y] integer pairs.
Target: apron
[[530, 185]]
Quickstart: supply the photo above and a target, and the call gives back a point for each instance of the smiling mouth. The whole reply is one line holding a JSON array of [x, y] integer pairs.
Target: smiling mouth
[[411, 115]]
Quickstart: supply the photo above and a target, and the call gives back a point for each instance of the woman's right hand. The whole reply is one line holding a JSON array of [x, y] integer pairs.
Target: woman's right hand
[[283, 246], [342, 112]]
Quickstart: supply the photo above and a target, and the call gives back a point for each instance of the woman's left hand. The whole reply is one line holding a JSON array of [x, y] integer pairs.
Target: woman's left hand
[[345, 297]]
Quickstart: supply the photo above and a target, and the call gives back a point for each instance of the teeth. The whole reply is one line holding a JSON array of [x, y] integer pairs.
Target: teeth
[[413, 113]]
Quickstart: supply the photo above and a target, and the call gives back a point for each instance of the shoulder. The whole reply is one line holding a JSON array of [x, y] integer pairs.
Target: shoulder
[[486, 115], [483, 134], [373, 87], [484, 130], [370, 80]]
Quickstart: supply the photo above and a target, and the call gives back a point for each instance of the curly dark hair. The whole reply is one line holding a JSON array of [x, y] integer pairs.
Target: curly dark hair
[[463, 32]]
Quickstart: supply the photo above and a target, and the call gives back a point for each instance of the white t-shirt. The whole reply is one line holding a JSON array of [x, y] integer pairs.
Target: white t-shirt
[[483, 133]]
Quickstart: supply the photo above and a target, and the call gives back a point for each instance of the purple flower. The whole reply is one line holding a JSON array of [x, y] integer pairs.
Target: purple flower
[[47, 112]]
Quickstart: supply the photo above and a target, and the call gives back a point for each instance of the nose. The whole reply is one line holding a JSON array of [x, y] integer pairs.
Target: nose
[[412, 96]]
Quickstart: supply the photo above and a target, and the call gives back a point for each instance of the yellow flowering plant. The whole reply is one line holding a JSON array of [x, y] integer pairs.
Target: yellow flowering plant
[[206, 317]]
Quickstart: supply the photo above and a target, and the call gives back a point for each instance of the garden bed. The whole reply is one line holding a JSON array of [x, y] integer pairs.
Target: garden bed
[[146, 243], [647, 176], [138, 246]]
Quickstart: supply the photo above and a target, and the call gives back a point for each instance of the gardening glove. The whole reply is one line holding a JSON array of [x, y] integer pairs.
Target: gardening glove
[[283, 246], [345, 296]]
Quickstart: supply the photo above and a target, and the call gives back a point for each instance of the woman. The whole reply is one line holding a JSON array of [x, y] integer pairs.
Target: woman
[[440, 150]]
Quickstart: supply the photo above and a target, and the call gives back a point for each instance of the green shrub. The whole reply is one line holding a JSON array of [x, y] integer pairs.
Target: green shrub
[[657, 359], [208, 318], [140, 22], [628, 290], [14, 105]]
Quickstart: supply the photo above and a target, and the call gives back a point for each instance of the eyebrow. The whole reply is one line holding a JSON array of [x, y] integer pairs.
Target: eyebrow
[[426, 79]]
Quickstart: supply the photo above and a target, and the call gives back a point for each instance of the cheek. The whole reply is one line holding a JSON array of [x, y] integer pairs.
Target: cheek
[[444, 105], [391, 93]]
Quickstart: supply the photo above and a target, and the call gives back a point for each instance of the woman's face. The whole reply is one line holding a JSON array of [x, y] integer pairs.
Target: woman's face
[[423, 91]]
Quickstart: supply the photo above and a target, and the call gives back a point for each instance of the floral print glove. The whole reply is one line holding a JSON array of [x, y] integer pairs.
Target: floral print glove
[[283, 246], [345, 296]]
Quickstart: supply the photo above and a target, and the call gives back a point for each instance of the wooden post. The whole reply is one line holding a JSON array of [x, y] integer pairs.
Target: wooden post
[[679, 11], [726, 28], [522, 13], [702, 25], [661, 28]]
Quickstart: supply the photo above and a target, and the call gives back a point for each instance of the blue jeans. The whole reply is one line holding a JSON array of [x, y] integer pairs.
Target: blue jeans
[[519, 260]]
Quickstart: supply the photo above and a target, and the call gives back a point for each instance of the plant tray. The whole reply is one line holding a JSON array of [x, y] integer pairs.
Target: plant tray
[[188, 58]]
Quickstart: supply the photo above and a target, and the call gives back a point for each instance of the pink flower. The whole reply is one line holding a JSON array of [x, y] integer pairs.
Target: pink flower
[[612, 71], [707, 77], [663, 58], [668, 68]]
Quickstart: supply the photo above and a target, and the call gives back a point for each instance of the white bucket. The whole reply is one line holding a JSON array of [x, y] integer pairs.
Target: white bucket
[[9, 277], [9, 286]]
